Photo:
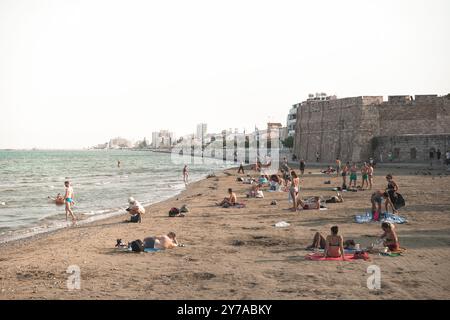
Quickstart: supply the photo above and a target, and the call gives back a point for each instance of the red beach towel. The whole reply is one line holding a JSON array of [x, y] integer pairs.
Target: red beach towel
[[320, 257]]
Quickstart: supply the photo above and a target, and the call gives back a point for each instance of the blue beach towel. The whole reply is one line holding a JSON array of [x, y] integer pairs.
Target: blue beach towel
[[151, 250], [385, 217]]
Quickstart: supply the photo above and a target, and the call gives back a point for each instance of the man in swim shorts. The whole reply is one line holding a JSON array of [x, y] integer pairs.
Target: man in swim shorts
[[365, 175], [163, 242], [68, 200], [353, 175]]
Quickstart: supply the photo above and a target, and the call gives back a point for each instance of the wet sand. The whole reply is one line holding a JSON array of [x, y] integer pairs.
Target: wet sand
[[238, 253]]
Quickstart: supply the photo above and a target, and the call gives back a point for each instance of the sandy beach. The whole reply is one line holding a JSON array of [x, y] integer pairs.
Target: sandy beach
[[238, 253]]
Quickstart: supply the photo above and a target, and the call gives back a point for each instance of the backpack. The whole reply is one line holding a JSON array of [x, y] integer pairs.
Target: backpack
[[361, 255], [137, 246], [134, 218], [173, 212]]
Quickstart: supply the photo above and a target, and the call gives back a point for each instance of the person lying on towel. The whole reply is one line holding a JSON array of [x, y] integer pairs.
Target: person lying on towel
[[390, 237], [168, 241], [312, 203]]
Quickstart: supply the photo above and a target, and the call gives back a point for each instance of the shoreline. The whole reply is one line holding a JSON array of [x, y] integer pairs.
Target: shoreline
[[43, 230]]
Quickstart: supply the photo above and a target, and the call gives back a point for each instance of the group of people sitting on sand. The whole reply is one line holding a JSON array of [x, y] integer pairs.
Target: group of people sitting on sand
[[334, 245]]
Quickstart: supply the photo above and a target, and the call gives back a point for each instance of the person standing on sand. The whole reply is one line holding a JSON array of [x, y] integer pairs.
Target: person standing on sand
[[338, 167], [293, 190], [68, 199], [317, 156], [370, 175], [185, 175], [438, 155], [353, 175], [302, 166], [365, 175], [241, 168], [345, 170]]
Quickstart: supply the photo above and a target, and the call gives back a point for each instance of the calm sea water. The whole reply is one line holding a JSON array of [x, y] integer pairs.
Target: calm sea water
[[101, 189]]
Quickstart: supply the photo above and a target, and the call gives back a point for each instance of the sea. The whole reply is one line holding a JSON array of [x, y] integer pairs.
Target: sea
[[101, 187]]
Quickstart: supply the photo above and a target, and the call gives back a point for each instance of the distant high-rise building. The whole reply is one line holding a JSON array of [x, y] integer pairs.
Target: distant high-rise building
[[162, 139], [201, 130]]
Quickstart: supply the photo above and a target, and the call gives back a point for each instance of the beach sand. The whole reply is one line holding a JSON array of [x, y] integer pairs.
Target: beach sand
[[238, 253]]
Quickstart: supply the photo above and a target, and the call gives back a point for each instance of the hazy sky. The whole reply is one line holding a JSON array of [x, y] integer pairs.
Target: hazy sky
[[76, 73]]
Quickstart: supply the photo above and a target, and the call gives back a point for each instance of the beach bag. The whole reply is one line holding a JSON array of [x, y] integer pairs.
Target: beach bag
[[361, 255], [184, 209], [376, 216], [134, 218], [137, 246], [399, 201], [173, 212]]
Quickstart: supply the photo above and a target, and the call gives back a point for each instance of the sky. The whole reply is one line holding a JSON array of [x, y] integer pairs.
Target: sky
[[77, 73]]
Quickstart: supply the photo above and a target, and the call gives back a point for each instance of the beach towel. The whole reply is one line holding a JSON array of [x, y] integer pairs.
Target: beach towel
[[385, 217], [151, 250], [320, 257]]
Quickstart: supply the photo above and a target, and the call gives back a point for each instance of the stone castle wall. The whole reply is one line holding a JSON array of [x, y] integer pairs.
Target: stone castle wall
[[345, 128]]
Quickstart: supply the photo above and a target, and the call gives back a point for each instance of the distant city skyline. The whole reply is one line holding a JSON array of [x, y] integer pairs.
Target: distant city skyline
[[77, 73]]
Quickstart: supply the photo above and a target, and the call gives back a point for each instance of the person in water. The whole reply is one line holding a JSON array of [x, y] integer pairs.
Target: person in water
[[185, 175], [58, 200], [69, 202], [162, 242], [390, 236], [230, 200]]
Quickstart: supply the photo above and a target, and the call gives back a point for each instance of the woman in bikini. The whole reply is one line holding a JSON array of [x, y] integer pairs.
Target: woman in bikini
[[334, 244], [293, 189], [390, 237]]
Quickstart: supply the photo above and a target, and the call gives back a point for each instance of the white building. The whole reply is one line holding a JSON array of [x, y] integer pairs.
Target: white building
[[162, 139], [201, 130], [292, 119]]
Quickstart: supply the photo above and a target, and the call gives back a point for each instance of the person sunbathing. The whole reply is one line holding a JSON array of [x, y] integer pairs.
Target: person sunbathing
[[319, 242], [253, 190], [335, 199], [329, 170], [334, 244], [311, 203], [230, 200], [390, 236], [162, 242]]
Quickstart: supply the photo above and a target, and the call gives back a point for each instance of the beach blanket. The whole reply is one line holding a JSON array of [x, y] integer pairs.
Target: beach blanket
[[151, 250], [320, 257], [385, 217]]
